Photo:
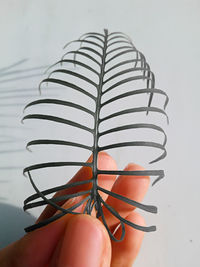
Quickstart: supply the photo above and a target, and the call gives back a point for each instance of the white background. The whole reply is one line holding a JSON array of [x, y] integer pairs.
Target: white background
[[168, 33]]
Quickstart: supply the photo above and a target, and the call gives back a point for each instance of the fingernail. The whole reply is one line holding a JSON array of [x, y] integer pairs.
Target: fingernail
[[82, 244]]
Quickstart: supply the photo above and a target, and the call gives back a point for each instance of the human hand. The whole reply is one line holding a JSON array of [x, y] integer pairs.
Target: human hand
[[82, 240]]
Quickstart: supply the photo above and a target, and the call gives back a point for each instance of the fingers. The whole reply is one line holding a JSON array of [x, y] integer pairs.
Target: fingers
[[79, 240], [105, 162], [124, 253], [84, 243], [133, 187]]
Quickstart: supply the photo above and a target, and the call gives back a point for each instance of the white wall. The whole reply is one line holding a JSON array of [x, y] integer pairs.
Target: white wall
[[168, 33]]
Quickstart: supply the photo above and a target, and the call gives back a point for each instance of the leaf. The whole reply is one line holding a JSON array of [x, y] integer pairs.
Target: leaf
[[109, 65]]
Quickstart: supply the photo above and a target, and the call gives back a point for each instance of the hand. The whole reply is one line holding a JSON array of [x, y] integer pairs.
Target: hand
[[82, 240]]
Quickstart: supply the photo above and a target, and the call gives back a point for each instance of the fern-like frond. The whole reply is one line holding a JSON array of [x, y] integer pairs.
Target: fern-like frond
[[112, 63]]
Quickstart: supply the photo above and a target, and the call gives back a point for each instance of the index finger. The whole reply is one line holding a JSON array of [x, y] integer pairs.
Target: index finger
[[105, 161]]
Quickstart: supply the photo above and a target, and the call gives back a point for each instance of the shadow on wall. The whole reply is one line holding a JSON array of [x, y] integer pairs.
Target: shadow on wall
[[14, 94], [13, 220]]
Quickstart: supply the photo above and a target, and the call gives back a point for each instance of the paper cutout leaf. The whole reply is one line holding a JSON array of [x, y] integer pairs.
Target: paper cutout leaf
[[113, 45]]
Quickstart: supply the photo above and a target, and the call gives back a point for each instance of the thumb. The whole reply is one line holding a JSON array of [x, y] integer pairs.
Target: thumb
[[85, 242], [35, 248]]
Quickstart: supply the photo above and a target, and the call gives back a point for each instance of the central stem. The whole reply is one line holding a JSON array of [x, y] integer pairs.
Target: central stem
[[96, 126]]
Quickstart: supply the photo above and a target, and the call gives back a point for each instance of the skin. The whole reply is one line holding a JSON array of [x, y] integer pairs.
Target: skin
[[82, 240]]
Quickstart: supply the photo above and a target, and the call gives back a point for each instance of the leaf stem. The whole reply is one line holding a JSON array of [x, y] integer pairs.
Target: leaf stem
[[97, 120]]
